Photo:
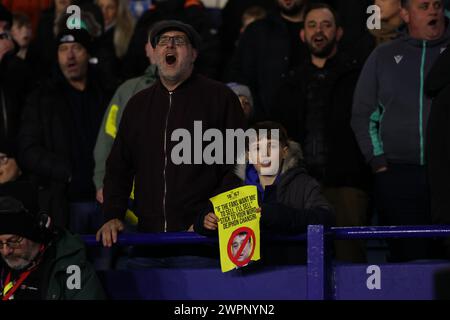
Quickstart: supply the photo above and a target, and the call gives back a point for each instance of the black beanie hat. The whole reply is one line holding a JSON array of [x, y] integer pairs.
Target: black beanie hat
[[17, 220], [19, 210], [81, 36]]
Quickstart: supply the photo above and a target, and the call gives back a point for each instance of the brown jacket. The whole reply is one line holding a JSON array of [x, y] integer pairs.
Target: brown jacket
[[168, 197]]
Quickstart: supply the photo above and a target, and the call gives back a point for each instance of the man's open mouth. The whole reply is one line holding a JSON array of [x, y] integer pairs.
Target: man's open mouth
[[318, 40], [171, 59], [71, 65], [432, 23]]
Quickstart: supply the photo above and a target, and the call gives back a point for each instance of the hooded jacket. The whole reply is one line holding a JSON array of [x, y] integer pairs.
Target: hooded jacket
[[390, 109], [292, 203], [295, 201], [438, 138]]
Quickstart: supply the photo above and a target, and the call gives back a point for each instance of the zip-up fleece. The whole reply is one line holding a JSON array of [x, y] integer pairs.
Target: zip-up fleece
[[390, 109], [169, 196]]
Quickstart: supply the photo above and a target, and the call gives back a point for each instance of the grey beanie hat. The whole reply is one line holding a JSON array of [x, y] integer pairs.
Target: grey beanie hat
[[241, 90]]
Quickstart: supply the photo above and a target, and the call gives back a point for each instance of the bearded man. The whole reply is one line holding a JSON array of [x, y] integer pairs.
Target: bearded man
[[315, 106]]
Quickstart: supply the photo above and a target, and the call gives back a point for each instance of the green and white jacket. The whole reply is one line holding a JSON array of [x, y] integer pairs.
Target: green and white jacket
[[390, 109]]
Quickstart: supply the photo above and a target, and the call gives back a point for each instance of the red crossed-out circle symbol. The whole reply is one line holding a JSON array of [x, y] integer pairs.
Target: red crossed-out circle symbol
[[238, 251]]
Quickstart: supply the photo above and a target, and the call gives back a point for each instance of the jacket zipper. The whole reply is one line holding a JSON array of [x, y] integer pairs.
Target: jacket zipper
[[165, 161], [422, 67]]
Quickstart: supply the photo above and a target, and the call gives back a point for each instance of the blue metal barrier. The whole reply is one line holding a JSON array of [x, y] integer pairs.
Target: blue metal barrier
[[388, 281], [166, 238], [270, 283], [316, 263], [348, 281], [156, 239]]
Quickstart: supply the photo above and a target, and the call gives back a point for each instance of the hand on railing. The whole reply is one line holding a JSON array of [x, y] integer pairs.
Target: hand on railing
[[108, 232]]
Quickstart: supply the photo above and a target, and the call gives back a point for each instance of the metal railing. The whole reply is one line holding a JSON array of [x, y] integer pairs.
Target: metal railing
[[167, 238], [316, 236]]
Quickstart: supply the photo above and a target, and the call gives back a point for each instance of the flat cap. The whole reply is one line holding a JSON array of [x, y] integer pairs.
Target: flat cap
[[171, 25]]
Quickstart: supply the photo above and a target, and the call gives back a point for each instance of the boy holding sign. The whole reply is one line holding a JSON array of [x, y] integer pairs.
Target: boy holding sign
[[289, 199]]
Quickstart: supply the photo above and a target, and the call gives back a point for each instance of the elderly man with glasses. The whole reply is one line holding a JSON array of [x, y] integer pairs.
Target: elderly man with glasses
[[38, 261]]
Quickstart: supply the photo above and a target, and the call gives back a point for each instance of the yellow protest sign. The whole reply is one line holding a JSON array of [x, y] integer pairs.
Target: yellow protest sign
[[239, 237]]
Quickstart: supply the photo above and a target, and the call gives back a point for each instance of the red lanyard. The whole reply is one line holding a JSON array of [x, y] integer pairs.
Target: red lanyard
[[11, 291], [23, 276]]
